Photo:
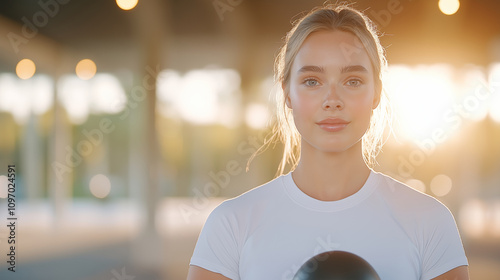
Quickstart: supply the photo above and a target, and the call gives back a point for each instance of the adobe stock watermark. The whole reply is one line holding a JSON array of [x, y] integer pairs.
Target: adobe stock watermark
[[94, 137], [323, 245], [223, 6], [122, 275], [349, 49], [383, 17], [30, 28], [220, 179], [453, 117]]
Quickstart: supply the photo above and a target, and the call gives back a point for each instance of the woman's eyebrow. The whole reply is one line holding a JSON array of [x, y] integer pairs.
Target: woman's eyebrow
[[343, 70], [352, 68], [311, 68]]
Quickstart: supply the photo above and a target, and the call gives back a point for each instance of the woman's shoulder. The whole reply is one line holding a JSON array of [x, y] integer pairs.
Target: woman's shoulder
[[407, 198], [253, 198]]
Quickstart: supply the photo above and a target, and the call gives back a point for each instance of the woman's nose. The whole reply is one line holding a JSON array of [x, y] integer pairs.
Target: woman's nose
[[332, 100]]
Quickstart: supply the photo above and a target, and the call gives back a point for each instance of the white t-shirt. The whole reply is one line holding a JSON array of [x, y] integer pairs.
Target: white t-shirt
[[270, 231]]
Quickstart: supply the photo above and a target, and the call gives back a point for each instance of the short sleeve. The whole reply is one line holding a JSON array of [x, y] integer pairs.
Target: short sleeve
[[217, 246], [442, 247]]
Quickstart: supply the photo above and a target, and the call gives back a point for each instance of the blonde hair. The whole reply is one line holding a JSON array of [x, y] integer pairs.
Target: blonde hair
[[330, 18]]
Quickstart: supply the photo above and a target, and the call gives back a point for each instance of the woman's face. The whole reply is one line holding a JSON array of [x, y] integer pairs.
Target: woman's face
[[332, 91]]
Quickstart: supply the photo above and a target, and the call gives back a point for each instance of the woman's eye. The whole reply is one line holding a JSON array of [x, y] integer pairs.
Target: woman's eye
[[354, 82], [311, 82]]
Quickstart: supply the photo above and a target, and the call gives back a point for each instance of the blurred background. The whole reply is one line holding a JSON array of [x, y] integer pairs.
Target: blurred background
[[129, 121]]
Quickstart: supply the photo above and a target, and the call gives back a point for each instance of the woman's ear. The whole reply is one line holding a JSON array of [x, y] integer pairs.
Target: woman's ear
[[288, 102]]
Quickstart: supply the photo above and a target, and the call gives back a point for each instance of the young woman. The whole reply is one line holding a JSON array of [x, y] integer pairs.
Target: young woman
[[330, 71]]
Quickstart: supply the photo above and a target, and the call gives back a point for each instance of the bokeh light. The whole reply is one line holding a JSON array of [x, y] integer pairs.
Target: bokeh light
[[421, 96], [202, 96], [3, 186], [416, 184], [41, 94], [472, 218], [441, 185], [86, 69], [257, 116], [473, 94], [25, 69], [103, 94], [127, 4], [100, 186], [449, 7], [494, 87], [107, 94], [495, 219], [74, 96], [24, 97]]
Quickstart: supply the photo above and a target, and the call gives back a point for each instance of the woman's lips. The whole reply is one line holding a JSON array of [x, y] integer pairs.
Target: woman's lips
[[332, 124]]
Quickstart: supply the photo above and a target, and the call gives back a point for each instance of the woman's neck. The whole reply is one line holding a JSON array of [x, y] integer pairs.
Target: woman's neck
[[330, 176]]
